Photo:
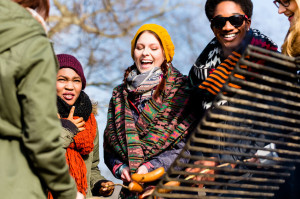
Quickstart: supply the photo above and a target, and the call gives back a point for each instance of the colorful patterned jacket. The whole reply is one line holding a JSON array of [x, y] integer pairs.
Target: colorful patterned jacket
[[158, 135]]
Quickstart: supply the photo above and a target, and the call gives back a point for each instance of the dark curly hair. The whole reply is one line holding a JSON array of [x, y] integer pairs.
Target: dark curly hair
[[210, 7]]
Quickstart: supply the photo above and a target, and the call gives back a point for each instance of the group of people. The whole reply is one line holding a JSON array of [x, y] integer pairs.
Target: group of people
[[50, 144]]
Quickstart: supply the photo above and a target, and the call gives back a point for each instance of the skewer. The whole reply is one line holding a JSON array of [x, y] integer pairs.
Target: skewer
[[126, 187]]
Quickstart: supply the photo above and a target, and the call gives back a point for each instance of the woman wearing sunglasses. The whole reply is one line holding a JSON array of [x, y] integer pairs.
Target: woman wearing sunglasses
[[291, 47], [230, 20]]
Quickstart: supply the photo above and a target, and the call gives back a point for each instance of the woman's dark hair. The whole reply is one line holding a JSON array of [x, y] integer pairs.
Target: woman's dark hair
[[164, 68], [41, 6], [210, 7]]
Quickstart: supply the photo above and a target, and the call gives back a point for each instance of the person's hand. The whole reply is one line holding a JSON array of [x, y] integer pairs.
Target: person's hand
[[79, 122], [106, 188], [254, 160], [142, 170], [203, 170], [79, 195], [125, 176]]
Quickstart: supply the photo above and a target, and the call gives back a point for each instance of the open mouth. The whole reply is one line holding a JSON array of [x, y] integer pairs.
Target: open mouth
[[230, 35], [146, 62], [291, 17], [68, 96]]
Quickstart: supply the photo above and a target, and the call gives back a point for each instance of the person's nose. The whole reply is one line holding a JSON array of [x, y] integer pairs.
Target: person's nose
[[228, 26], [69, 85], [281, 9], [146, 51]]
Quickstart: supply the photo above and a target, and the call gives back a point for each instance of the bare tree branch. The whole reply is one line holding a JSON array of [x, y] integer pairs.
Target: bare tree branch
[[99, 31]]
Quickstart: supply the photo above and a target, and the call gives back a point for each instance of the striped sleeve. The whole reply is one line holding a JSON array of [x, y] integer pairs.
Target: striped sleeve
[[215, 81]]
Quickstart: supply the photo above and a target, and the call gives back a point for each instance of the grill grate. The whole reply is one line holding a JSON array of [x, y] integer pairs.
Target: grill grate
[[260, 119]]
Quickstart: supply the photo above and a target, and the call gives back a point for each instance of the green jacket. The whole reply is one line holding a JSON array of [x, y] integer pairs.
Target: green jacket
[[31, 154]]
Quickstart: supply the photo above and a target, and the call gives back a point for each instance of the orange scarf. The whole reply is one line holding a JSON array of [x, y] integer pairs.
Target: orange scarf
[[83, 145]]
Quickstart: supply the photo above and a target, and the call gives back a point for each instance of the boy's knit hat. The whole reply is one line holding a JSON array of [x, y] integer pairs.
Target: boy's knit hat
[[69, 61], [164, 36]]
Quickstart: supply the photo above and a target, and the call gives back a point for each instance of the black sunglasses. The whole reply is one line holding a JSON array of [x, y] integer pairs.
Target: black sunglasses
[[285, 3], [235, 20]]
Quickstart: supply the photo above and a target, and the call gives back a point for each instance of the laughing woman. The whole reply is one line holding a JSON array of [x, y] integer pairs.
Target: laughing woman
[[290, 8], [147, 117]]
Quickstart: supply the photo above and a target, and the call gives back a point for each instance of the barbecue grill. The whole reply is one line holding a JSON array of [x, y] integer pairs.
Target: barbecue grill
[[253, 138]]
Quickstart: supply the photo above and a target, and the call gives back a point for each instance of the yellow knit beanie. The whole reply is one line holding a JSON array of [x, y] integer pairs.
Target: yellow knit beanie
[[164, 36]]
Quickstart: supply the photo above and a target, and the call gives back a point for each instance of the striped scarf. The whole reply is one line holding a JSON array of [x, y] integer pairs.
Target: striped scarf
[[161, 125], [141, 86], [143, 82], [210, 73]]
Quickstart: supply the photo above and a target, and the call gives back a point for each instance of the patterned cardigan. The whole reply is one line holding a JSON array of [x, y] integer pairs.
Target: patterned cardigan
[[161, 126]]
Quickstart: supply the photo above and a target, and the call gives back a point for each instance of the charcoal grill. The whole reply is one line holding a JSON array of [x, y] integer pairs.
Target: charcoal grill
[[263, 112]]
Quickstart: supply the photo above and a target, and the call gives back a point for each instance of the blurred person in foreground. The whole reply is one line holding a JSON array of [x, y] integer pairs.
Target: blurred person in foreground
[[148, 119], [32, 158]]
